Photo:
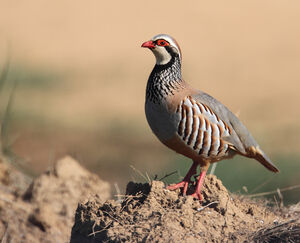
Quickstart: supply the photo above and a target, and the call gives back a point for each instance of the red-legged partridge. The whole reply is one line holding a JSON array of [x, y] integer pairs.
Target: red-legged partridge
[[190, 121]]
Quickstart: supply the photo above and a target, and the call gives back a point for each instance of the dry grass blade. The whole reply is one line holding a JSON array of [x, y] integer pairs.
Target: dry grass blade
[[213, 168], [4, 73], [5, 118], [280, 197], [99, 231], [274, 192], [118, 195], [141, 174], [167, 175], [295, 208], [148, 177], [262, 184], [285, 232]]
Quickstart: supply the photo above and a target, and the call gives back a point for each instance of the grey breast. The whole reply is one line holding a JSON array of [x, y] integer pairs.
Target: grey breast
[[162, 122]]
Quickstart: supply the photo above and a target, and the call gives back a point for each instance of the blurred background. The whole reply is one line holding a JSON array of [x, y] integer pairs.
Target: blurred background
[[74, 76]]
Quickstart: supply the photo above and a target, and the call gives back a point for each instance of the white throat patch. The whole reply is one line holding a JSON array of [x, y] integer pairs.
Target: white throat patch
[[162, 55]]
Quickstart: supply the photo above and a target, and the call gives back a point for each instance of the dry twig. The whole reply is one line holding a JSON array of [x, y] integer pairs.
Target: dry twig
[[211, 203], [273, 192]]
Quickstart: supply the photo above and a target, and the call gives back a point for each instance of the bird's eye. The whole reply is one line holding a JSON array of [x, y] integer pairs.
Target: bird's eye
[[162, 43]]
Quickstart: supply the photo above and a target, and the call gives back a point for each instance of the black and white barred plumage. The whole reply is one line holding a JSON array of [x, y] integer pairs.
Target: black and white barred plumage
[[163, 80]]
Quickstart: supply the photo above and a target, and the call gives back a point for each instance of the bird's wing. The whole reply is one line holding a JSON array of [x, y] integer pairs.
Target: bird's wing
[[240, 138], [238, 130], [202, 129]]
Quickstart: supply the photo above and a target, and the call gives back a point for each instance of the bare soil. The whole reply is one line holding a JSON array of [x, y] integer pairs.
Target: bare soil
[[44, 210], [151, 213]]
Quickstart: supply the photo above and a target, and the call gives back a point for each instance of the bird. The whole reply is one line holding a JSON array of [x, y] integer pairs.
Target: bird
[[190, 121]]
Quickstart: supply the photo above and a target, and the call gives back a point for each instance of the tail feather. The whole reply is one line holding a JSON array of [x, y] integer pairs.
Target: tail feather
[[259, 155]]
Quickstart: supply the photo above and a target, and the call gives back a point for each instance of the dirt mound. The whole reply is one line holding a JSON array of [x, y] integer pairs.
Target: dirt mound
[[152, 213], [45, 212]]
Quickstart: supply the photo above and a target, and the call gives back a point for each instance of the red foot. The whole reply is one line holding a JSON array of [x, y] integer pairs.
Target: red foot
[[181, 184], [197, 193], [197, 196], [186, 180], [176, 186]]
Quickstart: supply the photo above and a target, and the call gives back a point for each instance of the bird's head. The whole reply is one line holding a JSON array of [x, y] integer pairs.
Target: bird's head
[[164, 47]]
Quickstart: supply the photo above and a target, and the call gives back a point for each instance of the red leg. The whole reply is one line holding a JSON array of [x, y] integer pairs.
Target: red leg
[[186, 179], [197, 193]]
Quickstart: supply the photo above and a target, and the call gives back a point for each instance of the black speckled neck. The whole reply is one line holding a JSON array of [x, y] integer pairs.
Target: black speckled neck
[[164, 80]]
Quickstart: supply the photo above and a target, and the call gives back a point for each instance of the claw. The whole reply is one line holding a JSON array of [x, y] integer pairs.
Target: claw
[[186, 180], [197, 196], [176, 186], [181, 184]]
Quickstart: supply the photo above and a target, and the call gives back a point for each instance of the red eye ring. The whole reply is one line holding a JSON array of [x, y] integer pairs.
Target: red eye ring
[[162, 42]]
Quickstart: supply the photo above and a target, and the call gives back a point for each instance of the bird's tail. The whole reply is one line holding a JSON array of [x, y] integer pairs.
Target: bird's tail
[[259, 155]]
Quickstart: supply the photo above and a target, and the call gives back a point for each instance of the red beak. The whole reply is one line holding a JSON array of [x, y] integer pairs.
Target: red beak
[[148, 44]]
